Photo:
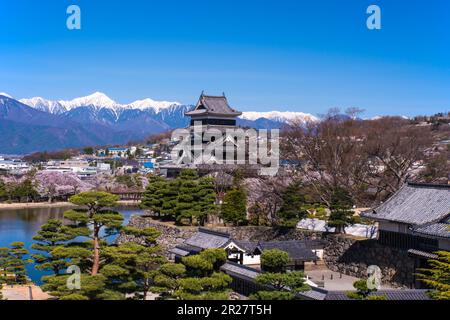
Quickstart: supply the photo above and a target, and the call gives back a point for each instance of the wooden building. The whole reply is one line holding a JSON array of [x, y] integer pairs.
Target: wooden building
[[415, 219]]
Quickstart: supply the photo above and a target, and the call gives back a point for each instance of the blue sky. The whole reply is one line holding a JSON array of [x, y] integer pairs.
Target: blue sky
[[287, 55]]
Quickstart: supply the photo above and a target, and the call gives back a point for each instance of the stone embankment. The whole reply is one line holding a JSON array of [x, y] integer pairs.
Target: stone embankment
[[352, 256], [344, 254]]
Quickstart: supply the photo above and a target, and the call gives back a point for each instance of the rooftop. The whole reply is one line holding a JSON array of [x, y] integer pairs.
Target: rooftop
[[416, 204], [298, 250], [208, 239], [409, 294], [213, 105]]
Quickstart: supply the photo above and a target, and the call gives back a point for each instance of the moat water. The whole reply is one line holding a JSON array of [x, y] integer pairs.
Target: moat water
[[22, 224]]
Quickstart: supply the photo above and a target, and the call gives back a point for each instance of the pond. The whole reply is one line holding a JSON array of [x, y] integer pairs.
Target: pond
[[22, 224]]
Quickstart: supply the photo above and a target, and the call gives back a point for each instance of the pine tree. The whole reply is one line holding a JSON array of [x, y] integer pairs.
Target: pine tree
[[13, 262], [341, 215], [274, 260], [130, 267], [292, 210], [363, 292], [281, 285], [52, 235], [197, 278], [187, 207], [95, 218], [234, 207], [152, 198], [169, 195], [437, 276], [206, 197]]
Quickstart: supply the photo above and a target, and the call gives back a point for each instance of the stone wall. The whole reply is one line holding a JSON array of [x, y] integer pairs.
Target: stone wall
[[254, 233], [171, 236], [345, 254], [352, 256]]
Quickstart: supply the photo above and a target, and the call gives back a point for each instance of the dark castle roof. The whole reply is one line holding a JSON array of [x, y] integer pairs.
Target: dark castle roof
[[213, 105], [415, 204]]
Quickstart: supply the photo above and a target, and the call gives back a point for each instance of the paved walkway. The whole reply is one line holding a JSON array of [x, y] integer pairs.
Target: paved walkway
[[331, 280], [29, 292]]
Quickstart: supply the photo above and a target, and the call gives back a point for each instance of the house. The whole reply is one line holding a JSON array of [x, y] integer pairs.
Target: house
[[13, 165], [415, 219], [248, 253], [118, 152]]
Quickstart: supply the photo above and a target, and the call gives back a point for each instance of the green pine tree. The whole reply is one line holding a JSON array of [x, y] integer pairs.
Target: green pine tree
[[206, 197], [169, 195], [341, 215], [13, 262], [95, 218], [187, 207], [152, 198], [437, 276], [234, 207], [130, 267], [281, 285], [52, 235], [293, 208], [363, 292], [196, 278]]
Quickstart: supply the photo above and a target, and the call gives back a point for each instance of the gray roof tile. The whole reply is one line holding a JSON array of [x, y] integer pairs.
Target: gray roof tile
[[410, 294], [213, 105], [208, 239], [415, 204], [297, 250], [239, 270]]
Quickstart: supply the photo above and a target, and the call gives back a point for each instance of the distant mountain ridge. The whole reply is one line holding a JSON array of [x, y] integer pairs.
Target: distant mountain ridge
[[98, 120]]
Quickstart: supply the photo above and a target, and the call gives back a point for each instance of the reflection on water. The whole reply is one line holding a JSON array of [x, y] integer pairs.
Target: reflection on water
[[21, 225]]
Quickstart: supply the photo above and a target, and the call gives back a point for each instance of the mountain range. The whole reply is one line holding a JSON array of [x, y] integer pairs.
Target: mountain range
[[38, 124]]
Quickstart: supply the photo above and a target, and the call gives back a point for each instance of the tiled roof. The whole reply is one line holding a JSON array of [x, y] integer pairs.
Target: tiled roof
[[297, 249], [410, 294], [179, 251], [239, 270], [422, 254], [441, 229], [213, 105], [415, 204], [248, 246], [208, 239], [314, 294]]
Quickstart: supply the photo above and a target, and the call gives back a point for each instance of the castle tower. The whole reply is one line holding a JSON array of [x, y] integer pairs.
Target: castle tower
[[213, 111]]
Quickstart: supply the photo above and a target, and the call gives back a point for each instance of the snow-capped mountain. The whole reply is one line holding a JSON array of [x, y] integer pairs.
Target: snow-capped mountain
[[151, 104], [5, 95], [41, 104], [279, 116], [166, 109], [63, 123], [98, 100]]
